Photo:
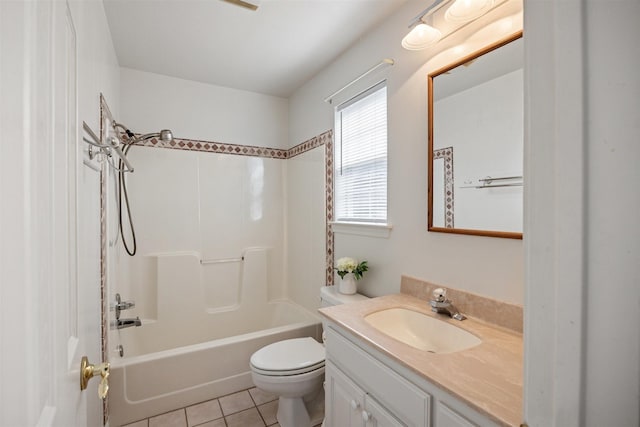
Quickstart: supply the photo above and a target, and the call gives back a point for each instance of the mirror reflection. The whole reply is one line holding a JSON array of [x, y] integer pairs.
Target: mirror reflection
[[476, 143]]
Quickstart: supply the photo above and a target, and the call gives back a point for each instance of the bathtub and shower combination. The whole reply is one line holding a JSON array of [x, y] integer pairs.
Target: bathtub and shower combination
[[191, 353]]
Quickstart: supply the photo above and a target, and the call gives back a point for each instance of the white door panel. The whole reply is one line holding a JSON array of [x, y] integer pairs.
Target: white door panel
[[45, 326]]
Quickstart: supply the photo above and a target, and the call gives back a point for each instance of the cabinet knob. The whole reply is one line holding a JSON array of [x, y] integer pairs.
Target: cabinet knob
[[366, 416], [355, 405]]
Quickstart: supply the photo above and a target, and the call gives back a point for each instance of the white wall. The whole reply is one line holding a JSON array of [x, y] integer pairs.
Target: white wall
[[583, 255], [613, 203], [488, 266], [306, 227], [194, 110]]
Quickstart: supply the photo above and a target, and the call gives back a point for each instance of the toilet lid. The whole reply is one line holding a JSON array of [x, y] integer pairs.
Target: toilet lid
[[298, 354]]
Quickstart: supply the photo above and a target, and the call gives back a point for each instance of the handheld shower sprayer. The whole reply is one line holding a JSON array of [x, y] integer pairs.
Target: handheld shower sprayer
[[165, 136]]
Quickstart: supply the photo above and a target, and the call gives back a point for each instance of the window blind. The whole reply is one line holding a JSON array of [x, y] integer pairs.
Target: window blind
[[361, 157]]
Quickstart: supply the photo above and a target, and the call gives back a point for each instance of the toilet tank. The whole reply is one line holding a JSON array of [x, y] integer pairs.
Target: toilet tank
[[329, 296]]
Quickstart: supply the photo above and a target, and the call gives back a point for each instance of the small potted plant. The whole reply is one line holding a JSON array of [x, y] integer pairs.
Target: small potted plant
[[349, 271]]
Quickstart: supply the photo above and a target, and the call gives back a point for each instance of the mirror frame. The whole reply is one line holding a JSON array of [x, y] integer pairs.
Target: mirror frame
[[430, 77]]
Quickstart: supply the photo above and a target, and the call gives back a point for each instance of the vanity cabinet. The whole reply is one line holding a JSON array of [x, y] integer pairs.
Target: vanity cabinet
[[365, 388], [349, 406]]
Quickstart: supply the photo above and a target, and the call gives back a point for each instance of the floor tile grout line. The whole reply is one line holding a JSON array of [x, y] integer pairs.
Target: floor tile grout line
[[224, 416], [255, 405]]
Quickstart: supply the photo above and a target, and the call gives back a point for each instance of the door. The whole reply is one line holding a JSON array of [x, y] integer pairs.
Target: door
[[50, 313]]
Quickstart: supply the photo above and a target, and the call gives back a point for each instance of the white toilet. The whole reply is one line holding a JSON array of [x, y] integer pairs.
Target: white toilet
[[294, 369]]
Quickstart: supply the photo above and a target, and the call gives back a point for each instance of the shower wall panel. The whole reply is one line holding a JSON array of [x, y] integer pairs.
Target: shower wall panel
[[214, 205]]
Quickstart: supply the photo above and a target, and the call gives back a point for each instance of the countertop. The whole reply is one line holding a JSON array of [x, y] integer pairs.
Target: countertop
[[488, 377]]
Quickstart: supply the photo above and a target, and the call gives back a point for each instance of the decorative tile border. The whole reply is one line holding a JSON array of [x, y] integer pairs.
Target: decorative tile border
[[240, 150], [322, 139], [328, 156], [447, 155], [217, 147], [105, 113]]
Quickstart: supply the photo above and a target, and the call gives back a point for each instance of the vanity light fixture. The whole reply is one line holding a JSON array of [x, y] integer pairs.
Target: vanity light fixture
[[423, 35], [467, 10]]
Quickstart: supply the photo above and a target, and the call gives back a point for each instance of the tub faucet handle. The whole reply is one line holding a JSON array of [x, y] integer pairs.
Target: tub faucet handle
[[122, 305]]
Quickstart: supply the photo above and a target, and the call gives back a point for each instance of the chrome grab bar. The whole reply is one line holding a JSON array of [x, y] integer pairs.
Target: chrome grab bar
[[221, 260]]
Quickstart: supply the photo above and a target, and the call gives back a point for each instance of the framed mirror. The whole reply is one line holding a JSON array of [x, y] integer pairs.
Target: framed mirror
[[476, 121]]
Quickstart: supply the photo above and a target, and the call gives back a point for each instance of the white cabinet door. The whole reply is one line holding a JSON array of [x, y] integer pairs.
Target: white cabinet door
[[344, 401], [447, 417], [377, 416]]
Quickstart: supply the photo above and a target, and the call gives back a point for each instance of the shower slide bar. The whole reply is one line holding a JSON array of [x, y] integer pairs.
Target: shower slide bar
[[489, 179], [517, 184], [107, 149], [221, 260], [488, 182]]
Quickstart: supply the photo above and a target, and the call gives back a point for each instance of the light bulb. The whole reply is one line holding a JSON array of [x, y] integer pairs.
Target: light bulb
[[421, 37], [467, 10]]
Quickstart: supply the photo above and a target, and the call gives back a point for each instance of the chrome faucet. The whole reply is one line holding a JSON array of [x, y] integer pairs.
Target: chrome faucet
[[121, 305], [440, 304], [127, 323]]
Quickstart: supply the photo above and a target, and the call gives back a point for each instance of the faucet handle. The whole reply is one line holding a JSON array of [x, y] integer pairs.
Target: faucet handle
[[440, 294], [122, 305]]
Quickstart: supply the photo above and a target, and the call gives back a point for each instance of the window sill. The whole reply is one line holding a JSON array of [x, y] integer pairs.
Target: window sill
[[368, 229]]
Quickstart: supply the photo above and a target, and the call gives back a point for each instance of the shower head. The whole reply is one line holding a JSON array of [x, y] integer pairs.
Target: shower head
[[165, 135]]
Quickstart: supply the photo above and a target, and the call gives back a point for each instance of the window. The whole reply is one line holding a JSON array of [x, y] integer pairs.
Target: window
[[361, 157]]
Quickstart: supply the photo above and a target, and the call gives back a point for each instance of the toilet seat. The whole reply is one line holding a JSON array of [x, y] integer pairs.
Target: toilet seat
[[289, 357], [285, 373]]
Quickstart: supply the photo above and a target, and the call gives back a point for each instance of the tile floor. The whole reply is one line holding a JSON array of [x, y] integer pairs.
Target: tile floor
[[247, 408]]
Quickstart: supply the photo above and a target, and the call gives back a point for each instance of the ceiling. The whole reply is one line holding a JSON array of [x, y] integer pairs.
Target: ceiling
[[273, 50]]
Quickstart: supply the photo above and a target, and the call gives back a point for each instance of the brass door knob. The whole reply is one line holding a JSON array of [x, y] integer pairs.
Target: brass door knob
[[88, 371]]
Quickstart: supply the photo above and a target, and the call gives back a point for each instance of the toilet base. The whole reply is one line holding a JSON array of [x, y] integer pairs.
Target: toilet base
[[292, 412], [301, 412]]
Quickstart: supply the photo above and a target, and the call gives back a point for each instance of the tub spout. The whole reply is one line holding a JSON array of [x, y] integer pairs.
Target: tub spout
[[127, 323]]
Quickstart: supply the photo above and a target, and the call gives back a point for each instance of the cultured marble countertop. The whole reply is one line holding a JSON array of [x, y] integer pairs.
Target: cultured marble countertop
[[487, 377]]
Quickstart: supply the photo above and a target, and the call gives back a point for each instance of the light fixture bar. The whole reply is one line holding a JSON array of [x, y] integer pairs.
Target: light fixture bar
[[248, 4], [412, 44], [432, 8]]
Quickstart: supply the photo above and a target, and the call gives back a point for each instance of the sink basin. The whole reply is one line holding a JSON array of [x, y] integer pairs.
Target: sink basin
[[421, 331]]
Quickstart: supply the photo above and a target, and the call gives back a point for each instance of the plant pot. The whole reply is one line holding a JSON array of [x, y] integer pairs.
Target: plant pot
[[347, 284]]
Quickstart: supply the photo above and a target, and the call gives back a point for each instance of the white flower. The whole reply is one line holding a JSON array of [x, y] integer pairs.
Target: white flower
[[346, 265]]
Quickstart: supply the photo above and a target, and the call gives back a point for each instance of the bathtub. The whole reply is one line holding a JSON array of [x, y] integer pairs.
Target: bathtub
[[149, 384], [196, 344]]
